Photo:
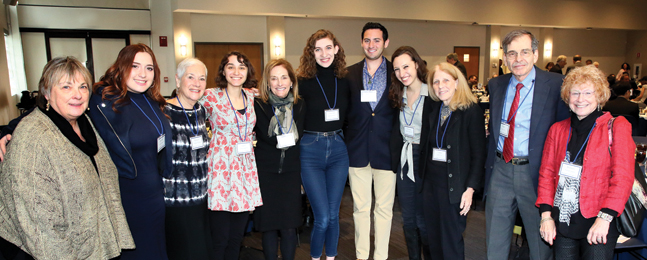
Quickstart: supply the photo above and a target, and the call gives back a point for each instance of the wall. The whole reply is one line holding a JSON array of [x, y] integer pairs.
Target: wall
[[120, 4], [636, 43], [8, 109], [84, 18], [608, 47], [619, 14]]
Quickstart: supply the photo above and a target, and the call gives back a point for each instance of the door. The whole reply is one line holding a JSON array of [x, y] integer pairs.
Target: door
[[212, 53], [469, 56]]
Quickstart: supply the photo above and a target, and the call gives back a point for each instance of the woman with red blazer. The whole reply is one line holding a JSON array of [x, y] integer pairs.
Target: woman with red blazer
[[584, 182]]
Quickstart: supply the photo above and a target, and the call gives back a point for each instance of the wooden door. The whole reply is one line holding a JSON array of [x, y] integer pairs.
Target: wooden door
[[212, 53], [472, 55]]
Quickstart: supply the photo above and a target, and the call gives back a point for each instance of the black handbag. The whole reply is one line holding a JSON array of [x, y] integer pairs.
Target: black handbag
[[632, 217]]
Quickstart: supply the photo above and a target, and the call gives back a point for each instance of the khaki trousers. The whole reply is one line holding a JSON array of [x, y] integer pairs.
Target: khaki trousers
[[362, 181]]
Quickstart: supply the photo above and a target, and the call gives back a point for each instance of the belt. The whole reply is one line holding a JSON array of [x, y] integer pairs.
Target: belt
[[331, 133], [514, 161]]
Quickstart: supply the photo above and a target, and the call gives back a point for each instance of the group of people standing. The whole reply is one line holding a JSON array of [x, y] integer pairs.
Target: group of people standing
[[125, 172]]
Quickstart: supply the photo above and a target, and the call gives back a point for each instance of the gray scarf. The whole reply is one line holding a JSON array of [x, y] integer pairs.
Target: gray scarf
[[283, 111]]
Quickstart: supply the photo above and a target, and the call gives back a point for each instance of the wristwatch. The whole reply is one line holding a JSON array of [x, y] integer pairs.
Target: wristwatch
[[605, 216]]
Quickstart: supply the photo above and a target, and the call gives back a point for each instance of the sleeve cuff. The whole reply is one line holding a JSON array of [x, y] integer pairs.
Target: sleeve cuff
[[610, 212], [545, 207]]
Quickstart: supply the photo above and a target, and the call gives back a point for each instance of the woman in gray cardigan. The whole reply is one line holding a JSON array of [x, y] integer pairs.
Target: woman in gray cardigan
[[59, 190]]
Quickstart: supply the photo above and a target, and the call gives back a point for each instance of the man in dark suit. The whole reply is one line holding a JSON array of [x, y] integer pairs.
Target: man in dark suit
[[370, 119], [559, 64], [523, 106], [577, 62], [621, 105], [452, 58]]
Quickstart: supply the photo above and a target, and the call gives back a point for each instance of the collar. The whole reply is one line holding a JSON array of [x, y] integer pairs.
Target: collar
[[380, 68], [424, 91]]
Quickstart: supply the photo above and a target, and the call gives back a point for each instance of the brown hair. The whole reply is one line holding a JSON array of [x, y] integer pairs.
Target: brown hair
[[463, 96], [116, 77], [584, 74], [250, 80], [57, 69], [264, 90], [308, 65], [396, 91]]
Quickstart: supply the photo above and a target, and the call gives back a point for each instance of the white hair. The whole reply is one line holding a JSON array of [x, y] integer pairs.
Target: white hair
[[186, 63]]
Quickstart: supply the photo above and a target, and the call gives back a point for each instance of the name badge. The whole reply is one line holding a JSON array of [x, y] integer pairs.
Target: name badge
[[331, 115], [161, 142], [369, 95], [243, 148], [570, 170], [504, 129], [439, 155], [408, 131], [197, 142], [285, 140]]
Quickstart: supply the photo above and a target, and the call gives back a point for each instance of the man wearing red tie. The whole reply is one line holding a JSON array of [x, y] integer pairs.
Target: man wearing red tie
[[524, 104]]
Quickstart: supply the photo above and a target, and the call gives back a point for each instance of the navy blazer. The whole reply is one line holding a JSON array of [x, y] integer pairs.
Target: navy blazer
[[116, 136], [547, 108], [368, 132]]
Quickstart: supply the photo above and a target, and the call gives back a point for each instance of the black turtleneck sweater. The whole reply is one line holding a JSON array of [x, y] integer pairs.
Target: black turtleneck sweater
[[310, 90]]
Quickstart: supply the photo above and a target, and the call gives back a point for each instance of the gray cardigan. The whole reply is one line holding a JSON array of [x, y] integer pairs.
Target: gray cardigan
[[53, 205]]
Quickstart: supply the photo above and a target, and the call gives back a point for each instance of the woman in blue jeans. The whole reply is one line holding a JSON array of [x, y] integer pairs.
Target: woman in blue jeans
[[324, 159]]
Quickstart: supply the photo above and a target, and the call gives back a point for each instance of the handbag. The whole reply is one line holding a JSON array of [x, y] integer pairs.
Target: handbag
[[632, 216]]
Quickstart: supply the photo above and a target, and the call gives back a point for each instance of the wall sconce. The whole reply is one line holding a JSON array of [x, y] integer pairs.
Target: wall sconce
[[277, 46], [183, 41]]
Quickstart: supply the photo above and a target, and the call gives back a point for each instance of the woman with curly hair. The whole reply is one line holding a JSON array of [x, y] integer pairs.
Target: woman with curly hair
[[324, 158], [232, 179]]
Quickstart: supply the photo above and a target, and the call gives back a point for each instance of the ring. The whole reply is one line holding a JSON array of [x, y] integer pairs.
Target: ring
[[599, 239]]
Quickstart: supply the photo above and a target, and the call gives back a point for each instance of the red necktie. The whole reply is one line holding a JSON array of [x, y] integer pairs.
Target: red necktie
[[508, 144]]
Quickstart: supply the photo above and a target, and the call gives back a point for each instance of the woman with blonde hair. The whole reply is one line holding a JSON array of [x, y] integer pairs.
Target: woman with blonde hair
[[454, 159], [280, 113], [324, 158]]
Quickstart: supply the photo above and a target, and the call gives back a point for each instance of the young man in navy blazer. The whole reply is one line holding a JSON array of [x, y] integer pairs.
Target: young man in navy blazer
[[516, 144], [370, 119]]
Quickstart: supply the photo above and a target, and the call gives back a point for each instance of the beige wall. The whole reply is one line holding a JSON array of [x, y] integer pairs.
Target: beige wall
[[8, 109], [608, 47], [121, 4], [636, 43], [625, 14], [84, 18]]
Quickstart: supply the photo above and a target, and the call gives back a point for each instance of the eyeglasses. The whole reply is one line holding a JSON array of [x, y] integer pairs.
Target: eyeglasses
[[511, 55], [585, 94]]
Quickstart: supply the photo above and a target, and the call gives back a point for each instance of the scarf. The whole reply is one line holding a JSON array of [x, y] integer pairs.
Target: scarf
[[283, 111], [90, 147]]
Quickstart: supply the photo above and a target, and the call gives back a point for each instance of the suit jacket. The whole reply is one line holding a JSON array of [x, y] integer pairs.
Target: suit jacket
[[622, 106], [556, 69], [576, 65], [368, 131], [396, 136], [461, 67], [465, 144], [547, 108]]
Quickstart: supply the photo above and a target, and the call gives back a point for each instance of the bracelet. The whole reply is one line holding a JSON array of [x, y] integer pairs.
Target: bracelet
[[544, 220]]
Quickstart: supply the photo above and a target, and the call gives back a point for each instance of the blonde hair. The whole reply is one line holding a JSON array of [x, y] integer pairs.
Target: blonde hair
[[264, 90], [587, 74], [463, 97]]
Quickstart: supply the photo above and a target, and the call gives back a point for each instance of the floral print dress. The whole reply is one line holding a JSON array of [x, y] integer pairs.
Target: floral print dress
[[232, 178]]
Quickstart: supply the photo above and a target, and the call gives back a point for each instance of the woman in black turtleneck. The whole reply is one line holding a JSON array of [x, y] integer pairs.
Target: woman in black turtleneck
[[578, 197], [324, 159]]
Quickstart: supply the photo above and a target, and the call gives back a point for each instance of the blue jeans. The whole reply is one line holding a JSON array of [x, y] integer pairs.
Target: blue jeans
[[324, 169]]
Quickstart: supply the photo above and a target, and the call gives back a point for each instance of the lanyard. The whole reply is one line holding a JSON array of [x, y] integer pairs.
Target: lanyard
[[149, 119], [438, 126], [414, 112], [236, 116], [189, 121], [324, 93], [519, 106], [279, 122], [585, 141]]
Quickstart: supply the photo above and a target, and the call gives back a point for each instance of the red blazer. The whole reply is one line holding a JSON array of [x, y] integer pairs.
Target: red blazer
[[599, 188]]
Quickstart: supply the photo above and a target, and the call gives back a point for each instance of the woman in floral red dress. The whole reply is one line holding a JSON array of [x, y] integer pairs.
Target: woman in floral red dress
[[233, 179]]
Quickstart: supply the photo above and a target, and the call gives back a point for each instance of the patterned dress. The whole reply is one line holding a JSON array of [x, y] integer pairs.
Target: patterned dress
[[232, 178]]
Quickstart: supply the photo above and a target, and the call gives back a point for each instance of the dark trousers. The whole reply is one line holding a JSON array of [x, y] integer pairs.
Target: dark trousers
[[575, 249], [410, 199], [444, 223], [288, 244], [227, 231]]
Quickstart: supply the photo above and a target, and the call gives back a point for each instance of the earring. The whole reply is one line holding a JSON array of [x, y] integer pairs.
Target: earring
[[47, 106], [290, 86], [599, 107], [88, 108]]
